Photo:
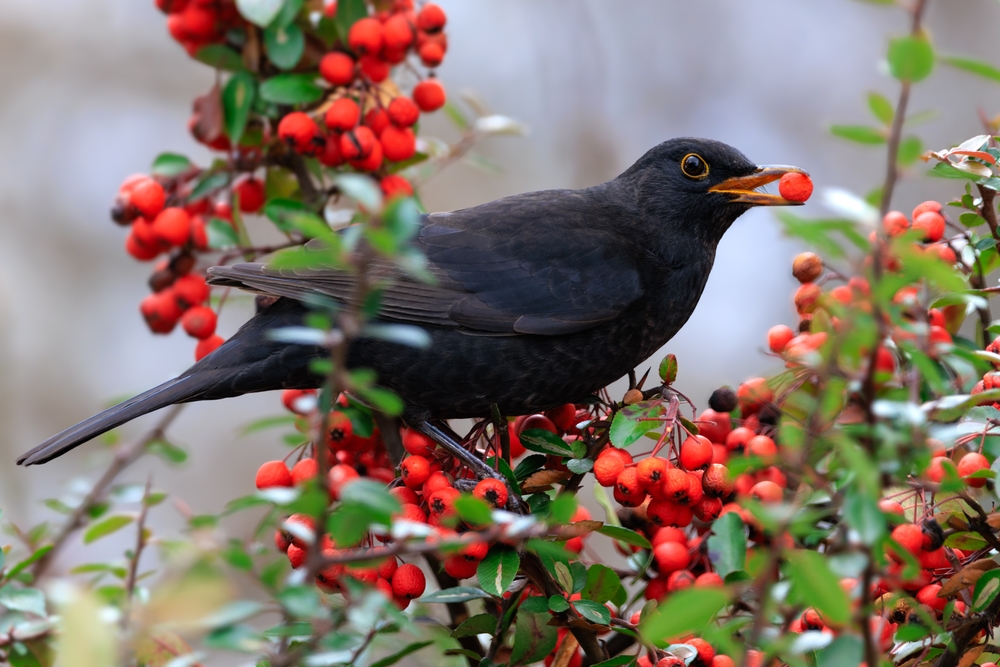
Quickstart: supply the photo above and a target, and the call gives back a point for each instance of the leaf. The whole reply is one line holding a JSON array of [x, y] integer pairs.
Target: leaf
[[104, 528], [861, 134], [29, 600], [557, 603], [545, 442], [625, 535], [529, 465], [237, 99], [986, 590], [864, 516], [844, 650], [260, 12], [480, 624], [911, 58], [219, 57], [580, 466], [973, 66], [881, 107], [372, 496], [535, 604], [169, 165], [727, 547], [456, 594], [543, 479], [361, 189], [402, 653], [910, 150], [290, 89], [595, 612], [348, 13], [30, 560], [167, 451], [817, 585], [534, 638], [284, 45], [208, 183], [496, 572], [474, 511], [634, 421], [617, 661], [602, 583], [668, 369], [688, 610], [562, 508]]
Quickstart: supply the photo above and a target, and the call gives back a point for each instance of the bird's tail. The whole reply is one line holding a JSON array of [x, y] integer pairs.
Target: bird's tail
[[178, 390]]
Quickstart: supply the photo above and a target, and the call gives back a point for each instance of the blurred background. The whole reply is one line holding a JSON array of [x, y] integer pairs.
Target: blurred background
[[92, 90]]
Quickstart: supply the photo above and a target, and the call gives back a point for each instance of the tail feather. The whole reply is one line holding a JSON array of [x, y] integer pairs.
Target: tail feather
[[178, 390]]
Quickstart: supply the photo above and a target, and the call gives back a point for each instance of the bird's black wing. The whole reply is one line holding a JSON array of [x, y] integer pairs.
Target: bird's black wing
[[529, 264]]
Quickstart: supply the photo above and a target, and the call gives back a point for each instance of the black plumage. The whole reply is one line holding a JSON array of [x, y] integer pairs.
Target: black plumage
[[540, 298]]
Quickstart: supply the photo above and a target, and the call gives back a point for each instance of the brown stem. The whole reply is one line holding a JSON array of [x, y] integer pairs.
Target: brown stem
[[124, 457]]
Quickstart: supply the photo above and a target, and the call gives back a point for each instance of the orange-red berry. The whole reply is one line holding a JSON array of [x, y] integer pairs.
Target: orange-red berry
[[342, 115], [492, 491], [337, 68], [429, 95], [207, 346], [273, 473], [365, 36], [408, 581], [199, 322]]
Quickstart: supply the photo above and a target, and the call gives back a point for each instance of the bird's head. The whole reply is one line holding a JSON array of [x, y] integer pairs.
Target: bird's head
[[701, 186]]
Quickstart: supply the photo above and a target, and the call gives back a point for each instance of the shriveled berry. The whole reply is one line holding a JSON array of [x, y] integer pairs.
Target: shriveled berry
[[272, 474], [807, 267], [717, 482], [199, 322], [807, 298], [337, 68], [723, 399], [429, 95], [492, 491], [795, 186], [676, 485]]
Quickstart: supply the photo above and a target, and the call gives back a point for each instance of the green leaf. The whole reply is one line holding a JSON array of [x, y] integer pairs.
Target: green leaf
[[528, 466], [402, 653], [169, 165], [456, 594], [634, 421], [348, 525], [289, 12], [284, 45], [348, 13], [208, 183], [112, 524], [817, 585], [220, 57], [595, 612], [861, 134], [260, 12], [291, 89], [266, 423], [557, 603], [29, 600], [30, 560], [361, 189], [383, 400], [617, 661], [292, 215], [844, 650], [881, 107], [973, 66], [625, 535], [562, 508], [237, 99], [668, 369], [688, 610], [910, 150], [480, 624], [167, 451], [373, 497], [864, 516], [602, 583], [534, 638], [474, 511], [496, 571], [911, 58], [535, 604], [580, 466], [986, 590], [546, 442], [727, 547]]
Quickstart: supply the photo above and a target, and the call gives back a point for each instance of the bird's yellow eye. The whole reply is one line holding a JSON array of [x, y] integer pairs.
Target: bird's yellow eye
[[694, 166]]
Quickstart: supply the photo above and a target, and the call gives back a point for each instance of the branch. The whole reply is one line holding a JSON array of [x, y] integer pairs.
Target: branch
[[124, 457]]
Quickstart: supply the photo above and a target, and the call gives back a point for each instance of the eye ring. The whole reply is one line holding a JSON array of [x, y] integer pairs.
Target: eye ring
[[694, 166]]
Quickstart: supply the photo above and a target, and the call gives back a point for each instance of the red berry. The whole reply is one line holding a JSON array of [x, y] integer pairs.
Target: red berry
[[338, 476], [395, 185], [408, 581], [273, 473], [431, 54], [931, 224], [207, 346], [299, 401], [298, 130], [251, 193], [190, 290], [931, 205], [431, 18], [172, 226], [377, 119], [403, 111], [337, 68], [148, 197], [429, 95], [138, 249], [696, 452], [492, 491], [199, 322], [357, 144], [609, 464], [374, 68], [343, 115], [398, 143], [778, 337], [365, 36], [671, 557], [415, 471], [895, 223], [304, 470], [199, 233], [795, 186], [374, 159], [806, 298], [651, 472], [160, 311], [910, 537], [459, 567], [970, 463], [398, 33], [762, 446], [767, 492]]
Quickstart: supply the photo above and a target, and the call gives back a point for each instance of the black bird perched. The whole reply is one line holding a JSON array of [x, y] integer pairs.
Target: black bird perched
[[541, 298]]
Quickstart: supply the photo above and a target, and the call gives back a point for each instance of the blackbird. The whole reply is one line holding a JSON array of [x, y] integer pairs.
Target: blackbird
[[540, 298]]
